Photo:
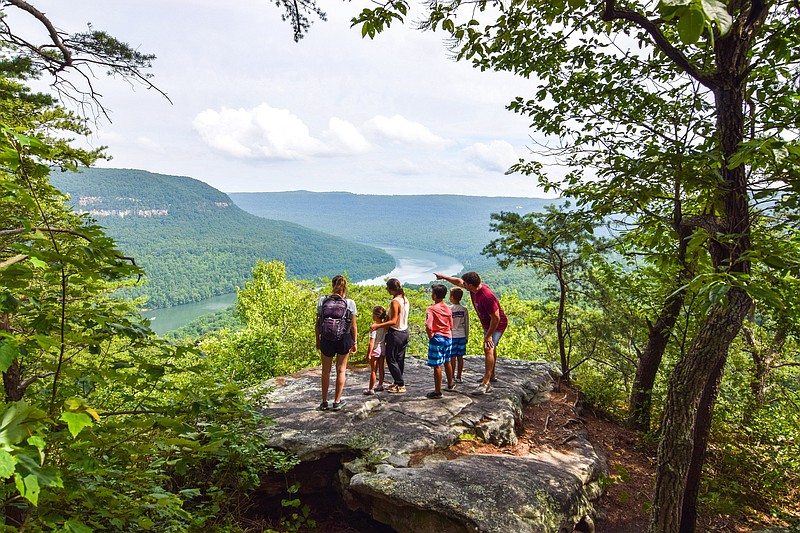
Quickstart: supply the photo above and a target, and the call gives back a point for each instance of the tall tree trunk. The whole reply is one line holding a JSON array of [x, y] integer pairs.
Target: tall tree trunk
[[702, 428], [710, 347], [687, 384]]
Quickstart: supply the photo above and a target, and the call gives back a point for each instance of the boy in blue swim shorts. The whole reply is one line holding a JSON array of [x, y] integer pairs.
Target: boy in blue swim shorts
[[439, 326]]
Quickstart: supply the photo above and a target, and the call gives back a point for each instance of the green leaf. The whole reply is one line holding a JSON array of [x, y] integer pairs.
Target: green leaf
[[8, 354], [38, 263], [670, 9], [28, 487], [717, 12], [73, 526], [76, 422], [7, 464], [15, 425], [766, 295], [145, 523], [691, 25]]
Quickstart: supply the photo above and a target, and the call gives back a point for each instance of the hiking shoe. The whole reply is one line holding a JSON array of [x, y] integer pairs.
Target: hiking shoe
[[337, 406], [379, 388], [399, 389], [482, 389], [493, 380], [434, 395], [323, 406], [368, 392], [458, 380], [451, 388]]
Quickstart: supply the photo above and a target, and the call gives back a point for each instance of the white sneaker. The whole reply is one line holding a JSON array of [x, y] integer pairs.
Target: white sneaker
[[482, 389]]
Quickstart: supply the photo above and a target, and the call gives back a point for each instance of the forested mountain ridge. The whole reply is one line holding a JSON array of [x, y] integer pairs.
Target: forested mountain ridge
[[194, 242], [454, 225]]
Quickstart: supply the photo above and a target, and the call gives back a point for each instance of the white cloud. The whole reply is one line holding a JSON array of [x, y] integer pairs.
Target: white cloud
[[149, 144], [496, 156], [346, 137], [337, 115], [400, 129], [263, 132]]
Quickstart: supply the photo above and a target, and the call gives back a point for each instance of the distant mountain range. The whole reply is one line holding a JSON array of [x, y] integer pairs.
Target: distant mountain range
[[194, 242], [450, 224]]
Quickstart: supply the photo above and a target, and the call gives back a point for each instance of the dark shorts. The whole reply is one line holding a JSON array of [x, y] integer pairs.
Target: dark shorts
[[340, 347]]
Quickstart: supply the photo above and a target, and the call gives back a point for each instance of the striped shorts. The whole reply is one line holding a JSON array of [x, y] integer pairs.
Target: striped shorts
[[459, 348], [438, 350]]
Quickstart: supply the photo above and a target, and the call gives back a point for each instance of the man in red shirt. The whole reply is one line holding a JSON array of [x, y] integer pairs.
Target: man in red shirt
[[492, 317]]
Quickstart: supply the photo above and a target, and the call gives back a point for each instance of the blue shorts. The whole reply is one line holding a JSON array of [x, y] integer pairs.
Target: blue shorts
[[438, 350], [459, 348]]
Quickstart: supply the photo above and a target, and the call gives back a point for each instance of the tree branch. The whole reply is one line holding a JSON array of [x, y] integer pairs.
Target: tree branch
[[51, 30], [15, 259], [18, 231], [611, 12]]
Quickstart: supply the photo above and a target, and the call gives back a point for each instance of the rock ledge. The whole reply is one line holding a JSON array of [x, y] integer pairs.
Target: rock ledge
[[364, 452]]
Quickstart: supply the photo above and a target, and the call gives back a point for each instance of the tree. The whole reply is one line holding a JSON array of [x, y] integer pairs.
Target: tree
[[103, 423], [278, 317], [556, 242], [609, 73]]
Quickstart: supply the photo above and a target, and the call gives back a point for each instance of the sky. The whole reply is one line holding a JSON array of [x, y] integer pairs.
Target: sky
[[251, 110]]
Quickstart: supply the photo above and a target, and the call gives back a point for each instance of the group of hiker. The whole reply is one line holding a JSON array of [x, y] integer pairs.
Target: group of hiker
[[447, 327]]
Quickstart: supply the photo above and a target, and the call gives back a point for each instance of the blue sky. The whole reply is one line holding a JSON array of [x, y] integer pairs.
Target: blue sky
[[254, 111]]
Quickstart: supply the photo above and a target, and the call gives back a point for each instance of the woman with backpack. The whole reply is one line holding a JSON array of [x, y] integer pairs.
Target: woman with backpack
[[336, 334], [396, 334]]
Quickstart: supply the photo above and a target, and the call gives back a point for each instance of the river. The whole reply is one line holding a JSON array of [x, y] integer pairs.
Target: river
[[411, 266]]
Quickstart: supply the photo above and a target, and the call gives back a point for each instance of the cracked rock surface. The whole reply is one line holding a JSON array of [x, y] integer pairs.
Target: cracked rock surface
[[373, 438]]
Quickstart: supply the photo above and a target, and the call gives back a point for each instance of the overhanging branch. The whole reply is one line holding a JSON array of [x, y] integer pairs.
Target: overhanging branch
[[612, 12]]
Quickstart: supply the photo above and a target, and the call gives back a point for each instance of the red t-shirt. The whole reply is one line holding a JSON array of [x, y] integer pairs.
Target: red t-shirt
[[486, 303], [439, 319]]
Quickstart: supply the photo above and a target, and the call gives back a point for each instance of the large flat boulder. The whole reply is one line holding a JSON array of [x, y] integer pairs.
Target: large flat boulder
[[365, 451]]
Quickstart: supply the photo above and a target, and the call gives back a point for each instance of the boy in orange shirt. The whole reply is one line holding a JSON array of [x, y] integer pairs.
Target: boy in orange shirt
[[439, 326]]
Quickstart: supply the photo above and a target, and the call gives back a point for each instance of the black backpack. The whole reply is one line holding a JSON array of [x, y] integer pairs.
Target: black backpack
[[335, 318]]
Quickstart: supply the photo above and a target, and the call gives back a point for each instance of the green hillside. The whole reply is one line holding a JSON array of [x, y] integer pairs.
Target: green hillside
[[454, 225], [194, 242]]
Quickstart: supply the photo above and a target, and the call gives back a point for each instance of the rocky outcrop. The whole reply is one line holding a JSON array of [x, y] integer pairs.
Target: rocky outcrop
[[365, 452]]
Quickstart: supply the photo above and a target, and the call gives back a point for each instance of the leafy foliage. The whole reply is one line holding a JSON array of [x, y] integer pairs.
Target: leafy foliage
[[103, 426]]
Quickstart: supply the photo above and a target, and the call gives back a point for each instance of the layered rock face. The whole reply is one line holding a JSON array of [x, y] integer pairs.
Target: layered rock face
[[364, 452]]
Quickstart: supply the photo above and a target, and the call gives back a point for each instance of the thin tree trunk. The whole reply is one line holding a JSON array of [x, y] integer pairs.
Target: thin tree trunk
[[562, 348], [649, 363], [658, 337], [14, 516], [11, 377]]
